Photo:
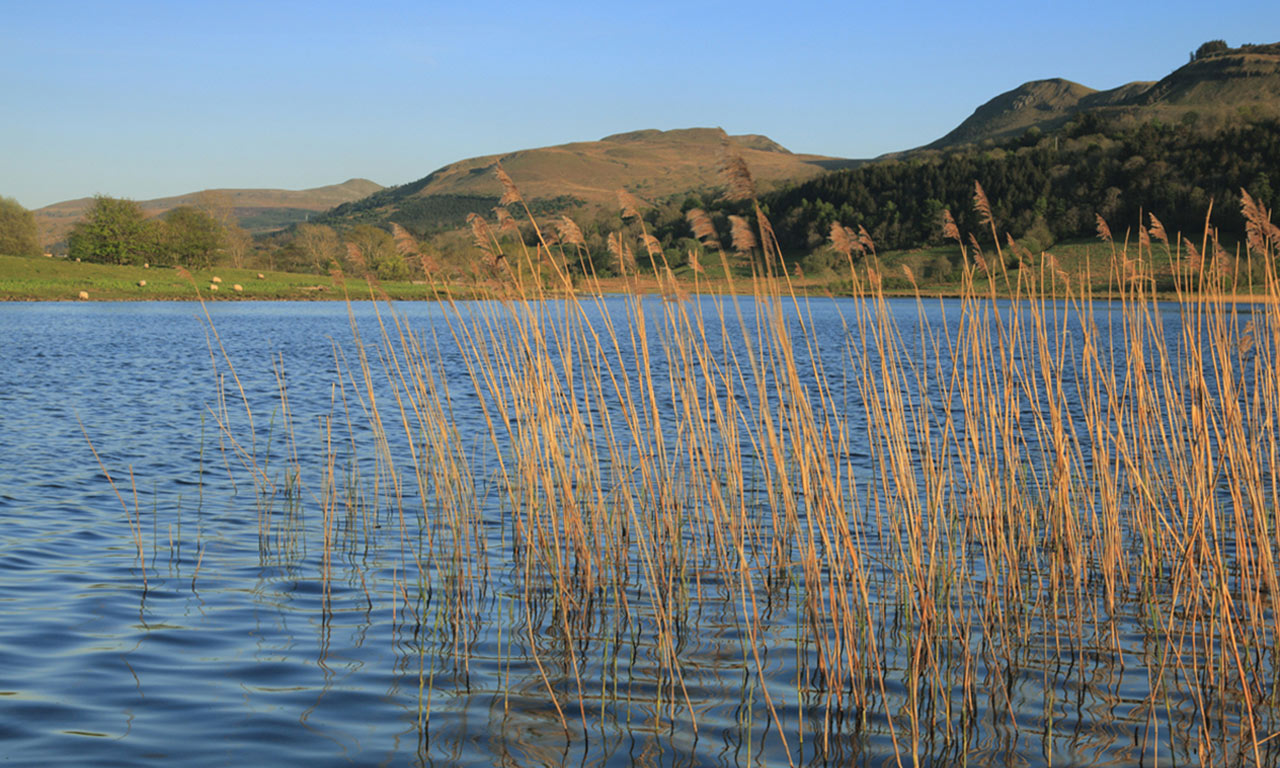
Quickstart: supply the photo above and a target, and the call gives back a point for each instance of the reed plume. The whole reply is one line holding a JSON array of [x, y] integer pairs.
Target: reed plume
[[651, 246], [1018, 250], [506, 223], [621, 253], [743, 238], [864, 240], [406, 244], [630, 205], [1157, 229], [509, 192], [1260, 233], [976, 250], [740, 185], [569, 232], [1194, 260], [702, 227], [482, 234], [768, 240], [1104, 231], [982, 205], [845, 240], [949, 228]]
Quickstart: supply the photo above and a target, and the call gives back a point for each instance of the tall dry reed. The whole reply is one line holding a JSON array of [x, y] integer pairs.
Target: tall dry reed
[[1027, 483]]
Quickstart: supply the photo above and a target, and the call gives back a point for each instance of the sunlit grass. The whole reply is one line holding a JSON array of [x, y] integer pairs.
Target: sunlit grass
[[60, 279], [920, 517]]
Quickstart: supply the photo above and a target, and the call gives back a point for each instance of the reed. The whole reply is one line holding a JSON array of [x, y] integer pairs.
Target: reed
[[962, 526]]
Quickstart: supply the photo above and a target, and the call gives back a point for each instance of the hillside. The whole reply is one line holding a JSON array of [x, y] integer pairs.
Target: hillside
[[1211, 85], [257, 210], [650, 163], [1177, 148], [1045, 104]]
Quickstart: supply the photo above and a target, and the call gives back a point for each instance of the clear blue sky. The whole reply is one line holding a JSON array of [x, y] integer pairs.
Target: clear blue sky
[[148, 99]]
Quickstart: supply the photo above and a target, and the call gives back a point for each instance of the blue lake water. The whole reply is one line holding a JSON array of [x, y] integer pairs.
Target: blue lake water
[[210, 609]]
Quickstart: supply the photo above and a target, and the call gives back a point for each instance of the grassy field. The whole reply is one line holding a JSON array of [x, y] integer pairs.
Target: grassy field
[[1084, 262], [56, 279]]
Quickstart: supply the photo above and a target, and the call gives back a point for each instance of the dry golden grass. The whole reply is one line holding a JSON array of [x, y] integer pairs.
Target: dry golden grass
[[1046, 476]]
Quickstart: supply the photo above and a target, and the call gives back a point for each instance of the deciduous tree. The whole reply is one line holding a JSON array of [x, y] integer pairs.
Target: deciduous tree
[[114, 231], [319, 247], [379, 251], [18, 234], [192, 237]]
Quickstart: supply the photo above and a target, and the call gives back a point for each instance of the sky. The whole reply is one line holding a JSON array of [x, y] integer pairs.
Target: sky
[[151, 99]]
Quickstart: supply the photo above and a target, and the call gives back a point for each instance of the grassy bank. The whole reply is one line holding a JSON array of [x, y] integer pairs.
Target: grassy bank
[[1085, 263], [56, 279]]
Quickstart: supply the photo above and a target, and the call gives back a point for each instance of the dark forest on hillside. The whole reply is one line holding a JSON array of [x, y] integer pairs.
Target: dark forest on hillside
[[1045, 186]]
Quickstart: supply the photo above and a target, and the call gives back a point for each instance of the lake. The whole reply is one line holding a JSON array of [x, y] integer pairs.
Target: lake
[[655, 532]]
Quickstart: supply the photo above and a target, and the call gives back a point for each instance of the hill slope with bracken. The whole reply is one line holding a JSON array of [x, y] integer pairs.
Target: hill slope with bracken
[[650, 163], [257, 210], [1211, 85]]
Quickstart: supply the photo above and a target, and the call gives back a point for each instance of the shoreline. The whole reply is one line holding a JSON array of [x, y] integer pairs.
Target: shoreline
[[1185, 298]]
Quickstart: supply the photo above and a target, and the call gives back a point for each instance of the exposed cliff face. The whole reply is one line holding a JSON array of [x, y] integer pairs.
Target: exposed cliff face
[[1242, 76]]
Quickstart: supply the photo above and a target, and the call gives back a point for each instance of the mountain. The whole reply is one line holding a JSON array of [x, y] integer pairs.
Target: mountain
[[1053, 156], [1045, 104], [1246, 75], [1215, 83], [257, 210], [649, 163]]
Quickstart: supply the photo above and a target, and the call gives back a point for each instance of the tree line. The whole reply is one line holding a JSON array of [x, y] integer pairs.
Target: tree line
[[118, 231], [1053, 186]]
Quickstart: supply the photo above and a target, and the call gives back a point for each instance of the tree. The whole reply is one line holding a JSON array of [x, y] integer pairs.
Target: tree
[[1038, 237], [1209, 49], [114, 231], [319, 247], [238, 244], [217, 203], [1260, 189], [192, 237], [236, 241], [379, 251], [18, 233]]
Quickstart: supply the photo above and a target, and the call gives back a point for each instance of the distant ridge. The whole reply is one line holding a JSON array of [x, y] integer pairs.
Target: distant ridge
[[1246, 75], [1236, 78], [647, 162], [652, 164], [257, 210]]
